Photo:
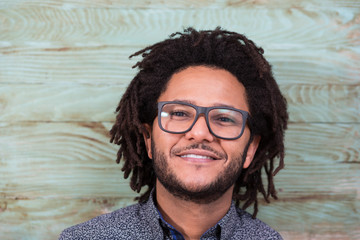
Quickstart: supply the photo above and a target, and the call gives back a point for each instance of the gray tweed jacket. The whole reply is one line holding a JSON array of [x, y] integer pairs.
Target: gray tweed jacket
[[142, 221]]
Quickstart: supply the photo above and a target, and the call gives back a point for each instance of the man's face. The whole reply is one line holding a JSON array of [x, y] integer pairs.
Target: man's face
[[196, 165]]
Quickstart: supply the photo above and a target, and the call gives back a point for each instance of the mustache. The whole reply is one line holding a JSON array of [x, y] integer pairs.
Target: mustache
[[202, 146]]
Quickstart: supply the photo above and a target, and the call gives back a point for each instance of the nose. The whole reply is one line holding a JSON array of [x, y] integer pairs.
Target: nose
[[200, 131]]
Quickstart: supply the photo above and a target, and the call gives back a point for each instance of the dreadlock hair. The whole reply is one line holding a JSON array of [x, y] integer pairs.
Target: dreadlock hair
[[218, 49]]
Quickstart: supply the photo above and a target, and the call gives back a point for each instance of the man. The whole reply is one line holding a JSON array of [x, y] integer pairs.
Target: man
[[196, 125]]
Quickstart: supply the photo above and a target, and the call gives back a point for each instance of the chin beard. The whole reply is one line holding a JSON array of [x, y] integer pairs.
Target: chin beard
[[201, 194]]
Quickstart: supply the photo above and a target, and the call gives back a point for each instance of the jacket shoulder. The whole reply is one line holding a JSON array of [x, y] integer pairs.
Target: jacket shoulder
[[254, 228], [119, 224]]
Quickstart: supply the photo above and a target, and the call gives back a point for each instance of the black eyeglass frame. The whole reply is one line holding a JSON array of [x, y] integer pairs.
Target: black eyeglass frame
[[205, 111]]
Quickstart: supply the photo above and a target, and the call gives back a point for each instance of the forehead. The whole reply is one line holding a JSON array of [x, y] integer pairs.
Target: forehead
[[206, 86]]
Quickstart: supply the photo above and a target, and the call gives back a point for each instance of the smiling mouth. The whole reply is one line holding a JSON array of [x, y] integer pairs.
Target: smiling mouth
[[198, 153], [197, 156]]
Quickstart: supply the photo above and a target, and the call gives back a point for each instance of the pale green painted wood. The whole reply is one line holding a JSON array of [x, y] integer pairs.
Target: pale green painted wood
[[64, 66], [288, 28], [78, 102], [110, 65], [186, 4], [67, 160]]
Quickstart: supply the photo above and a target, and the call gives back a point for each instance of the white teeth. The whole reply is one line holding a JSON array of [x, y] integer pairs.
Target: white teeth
[[196, 156]]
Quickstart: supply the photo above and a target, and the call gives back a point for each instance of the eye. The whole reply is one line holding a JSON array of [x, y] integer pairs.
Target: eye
[[225, 119], [178, 114]]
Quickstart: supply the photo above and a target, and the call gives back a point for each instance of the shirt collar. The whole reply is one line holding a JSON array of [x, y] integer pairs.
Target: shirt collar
[[225, 225]]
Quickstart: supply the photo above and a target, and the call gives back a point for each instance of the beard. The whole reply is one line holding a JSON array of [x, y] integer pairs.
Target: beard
[[199, 194]]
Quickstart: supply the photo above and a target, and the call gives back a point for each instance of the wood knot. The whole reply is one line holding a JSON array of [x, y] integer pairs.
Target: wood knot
[[3, 206]]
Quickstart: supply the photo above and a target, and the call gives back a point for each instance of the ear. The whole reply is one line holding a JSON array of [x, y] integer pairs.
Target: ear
[[147, 139], [251, 151]]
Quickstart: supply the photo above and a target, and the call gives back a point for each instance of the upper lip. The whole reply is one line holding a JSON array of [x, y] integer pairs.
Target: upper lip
[[199, 152]]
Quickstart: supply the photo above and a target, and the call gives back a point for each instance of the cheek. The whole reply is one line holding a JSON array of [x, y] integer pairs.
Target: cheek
[[165, 141], [234, 148]]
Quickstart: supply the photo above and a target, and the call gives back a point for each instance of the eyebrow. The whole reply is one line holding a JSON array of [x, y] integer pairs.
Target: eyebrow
[[215, 105]]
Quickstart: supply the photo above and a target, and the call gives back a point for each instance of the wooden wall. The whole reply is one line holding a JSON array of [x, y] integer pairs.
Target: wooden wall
[[64, 66]]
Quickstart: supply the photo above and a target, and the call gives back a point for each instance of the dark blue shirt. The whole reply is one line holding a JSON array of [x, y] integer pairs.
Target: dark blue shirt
[[171, 233]]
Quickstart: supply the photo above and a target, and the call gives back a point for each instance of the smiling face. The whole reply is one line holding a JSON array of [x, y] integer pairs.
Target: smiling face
[[196, 165]]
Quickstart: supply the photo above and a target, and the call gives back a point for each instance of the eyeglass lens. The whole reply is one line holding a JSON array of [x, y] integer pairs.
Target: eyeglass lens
[[225, 123]]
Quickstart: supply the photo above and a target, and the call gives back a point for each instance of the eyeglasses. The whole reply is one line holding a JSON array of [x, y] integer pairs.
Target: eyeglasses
[[223, 122]]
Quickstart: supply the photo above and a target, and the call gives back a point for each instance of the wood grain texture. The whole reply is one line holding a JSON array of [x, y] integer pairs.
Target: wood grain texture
[[319, 219], [59, 103], [80, 102], [40, 159], [110, 65], [322, 103], [66, 160], [179, 3], [67, 65], [282, 28]]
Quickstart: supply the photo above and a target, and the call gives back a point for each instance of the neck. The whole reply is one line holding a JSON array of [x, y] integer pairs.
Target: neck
[[189, 218]]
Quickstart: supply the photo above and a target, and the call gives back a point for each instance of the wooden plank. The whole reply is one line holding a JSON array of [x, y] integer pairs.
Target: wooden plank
[[41, 159], [315, 67], [75, 160], [179, 3], [76, 103], [110, 65], [288, 235], [322, 103], [46, 218], [314, 219], [89, 65], [293, 27], [79, 102], [322, 161]]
